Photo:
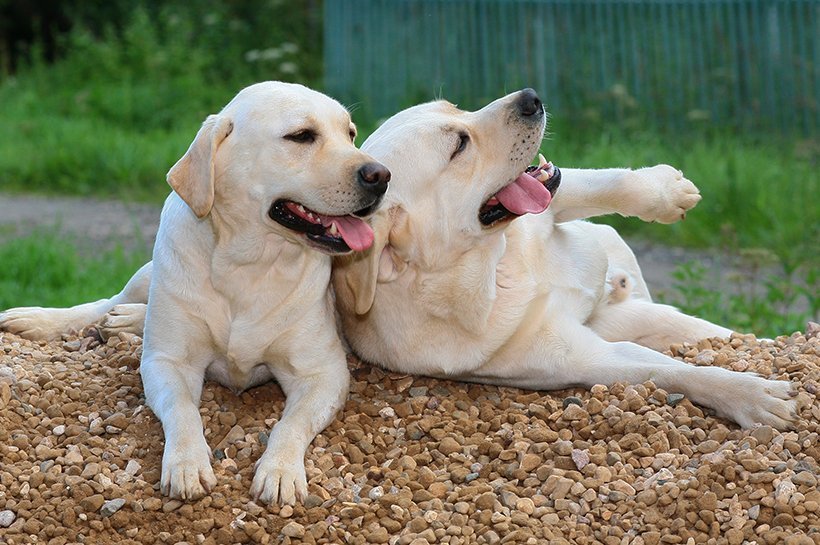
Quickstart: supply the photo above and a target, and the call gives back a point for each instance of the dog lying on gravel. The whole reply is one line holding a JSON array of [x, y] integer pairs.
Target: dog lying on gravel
[[269, 188], [471, 279], [459, 287]]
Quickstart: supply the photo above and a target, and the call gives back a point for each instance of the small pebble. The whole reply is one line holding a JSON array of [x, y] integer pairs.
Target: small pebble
[[6, 518], [572, 400], [112, 506], [293, 529]]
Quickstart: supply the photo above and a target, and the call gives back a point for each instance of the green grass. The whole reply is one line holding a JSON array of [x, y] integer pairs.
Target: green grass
[[119, 108], [765, 303], [46, 269]]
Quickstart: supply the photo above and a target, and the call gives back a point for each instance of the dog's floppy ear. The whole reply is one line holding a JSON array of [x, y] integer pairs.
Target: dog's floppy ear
[[192, 177], [361, 271]]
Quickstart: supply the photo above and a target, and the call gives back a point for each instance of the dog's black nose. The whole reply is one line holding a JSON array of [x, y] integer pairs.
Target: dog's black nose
[[528, 103], [373, 177]]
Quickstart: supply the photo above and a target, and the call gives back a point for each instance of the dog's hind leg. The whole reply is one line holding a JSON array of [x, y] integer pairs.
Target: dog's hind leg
[[38, 323], [652, 325], [575, 356], [620, 257]]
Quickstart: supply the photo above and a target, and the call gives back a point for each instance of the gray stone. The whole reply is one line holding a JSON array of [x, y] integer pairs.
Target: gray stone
[[6, 518], [418, 391], [112, 506], [572, 400]]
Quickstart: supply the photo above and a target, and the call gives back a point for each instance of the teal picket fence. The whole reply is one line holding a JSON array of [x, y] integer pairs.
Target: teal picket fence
[[743, 64]]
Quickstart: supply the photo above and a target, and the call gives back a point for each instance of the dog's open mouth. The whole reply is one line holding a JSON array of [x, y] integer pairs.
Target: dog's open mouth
[[530, 193], [334, 234]]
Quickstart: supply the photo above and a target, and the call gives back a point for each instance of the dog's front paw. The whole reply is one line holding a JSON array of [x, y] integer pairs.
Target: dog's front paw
[[186, 472], [754, 400], [673, 194], [129, 318], [279, 481], [34, 323]]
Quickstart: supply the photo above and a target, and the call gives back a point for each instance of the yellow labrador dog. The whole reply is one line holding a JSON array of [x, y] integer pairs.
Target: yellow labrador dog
[[468, 281], [239, 280], [464, 281]]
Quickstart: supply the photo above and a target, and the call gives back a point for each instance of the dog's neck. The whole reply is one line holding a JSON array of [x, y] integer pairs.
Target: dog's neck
[[463, 290], [248, 249]]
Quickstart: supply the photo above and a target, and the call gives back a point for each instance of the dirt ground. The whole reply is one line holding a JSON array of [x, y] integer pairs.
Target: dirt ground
[[410, 460]]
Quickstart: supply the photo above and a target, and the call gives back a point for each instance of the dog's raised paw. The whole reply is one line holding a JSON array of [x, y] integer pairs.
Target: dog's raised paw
[[278, 481], [674, 194]]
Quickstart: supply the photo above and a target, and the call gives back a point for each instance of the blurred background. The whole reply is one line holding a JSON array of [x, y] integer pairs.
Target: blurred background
[[99, 98]]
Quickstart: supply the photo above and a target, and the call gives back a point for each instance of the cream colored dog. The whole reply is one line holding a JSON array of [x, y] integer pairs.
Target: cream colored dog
[[464, 282], [459, 287], [239, 279]]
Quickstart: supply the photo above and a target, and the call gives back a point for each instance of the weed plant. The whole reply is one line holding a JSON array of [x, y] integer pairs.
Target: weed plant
[[759, 296]]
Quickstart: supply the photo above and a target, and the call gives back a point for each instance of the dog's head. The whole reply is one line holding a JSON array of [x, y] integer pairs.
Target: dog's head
[[281, 156], [458, 179]]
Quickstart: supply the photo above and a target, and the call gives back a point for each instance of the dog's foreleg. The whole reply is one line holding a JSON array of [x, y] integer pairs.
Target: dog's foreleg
[[312, 402], [174, 361], [48, 324], [660, 193]]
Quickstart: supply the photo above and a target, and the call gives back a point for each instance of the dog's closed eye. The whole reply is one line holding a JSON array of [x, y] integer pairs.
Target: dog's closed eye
[[303, 136], [463, 140]]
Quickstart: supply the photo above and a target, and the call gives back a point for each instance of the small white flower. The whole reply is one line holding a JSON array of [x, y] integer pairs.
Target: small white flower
[[288, 68], [289, 47], [271, 54]]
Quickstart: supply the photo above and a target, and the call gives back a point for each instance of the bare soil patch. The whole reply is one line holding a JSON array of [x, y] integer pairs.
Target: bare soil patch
[[100, 224], [96, 224], [411, 460]]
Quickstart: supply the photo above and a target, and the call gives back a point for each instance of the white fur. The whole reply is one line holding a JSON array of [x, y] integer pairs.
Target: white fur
[[526, 303], [235, 296]]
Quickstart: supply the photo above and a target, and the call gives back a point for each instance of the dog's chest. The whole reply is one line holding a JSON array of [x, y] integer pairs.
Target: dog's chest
[[245, 350], [258, 332]]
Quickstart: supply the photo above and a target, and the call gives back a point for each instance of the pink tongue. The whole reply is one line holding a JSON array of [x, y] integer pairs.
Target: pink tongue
[[525, 195], [356, 233]]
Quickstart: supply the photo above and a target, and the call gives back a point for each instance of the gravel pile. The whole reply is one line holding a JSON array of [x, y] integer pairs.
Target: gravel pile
[[411, 460]]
